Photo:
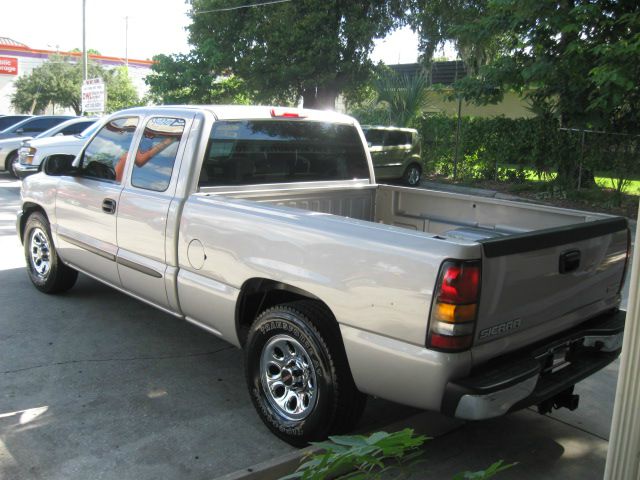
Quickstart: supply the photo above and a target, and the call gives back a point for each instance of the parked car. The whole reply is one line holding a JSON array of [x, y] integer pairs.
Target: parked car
[[32, 126], [395, 153], [9, 147], [266, 227], [9, 120], [33, 152]]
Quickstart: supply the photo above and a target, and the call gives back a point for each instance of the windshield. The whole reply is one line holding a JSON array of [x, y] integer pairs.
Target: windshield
[[87, 132], [16, 126], [245, 152]]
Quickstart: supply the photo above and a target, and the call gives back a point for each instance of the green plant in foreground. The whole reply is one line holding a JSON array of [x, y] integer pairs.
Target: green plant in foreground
[[380, 455]]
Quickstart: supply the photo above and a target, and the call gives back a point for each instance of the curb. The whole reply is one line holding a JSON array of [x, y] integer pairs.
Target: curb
[[428, 423]]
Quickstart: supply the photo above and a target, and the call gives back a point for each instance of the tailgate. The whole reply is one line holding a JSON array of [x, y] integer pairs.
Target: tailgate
[[539, 283]]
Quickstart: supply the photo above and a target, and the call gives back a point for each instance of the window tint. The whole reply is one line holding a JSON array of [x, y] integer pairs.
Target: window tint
[[395, 138], [75, 128], [374, 137], [248, 152], [156, 153], [6, 122], [42, 124], [106, 155]]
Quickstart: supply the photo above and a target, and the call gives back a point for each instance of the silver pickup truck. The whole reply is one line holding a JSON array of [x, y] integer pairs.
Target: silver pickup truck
[[265, 227]]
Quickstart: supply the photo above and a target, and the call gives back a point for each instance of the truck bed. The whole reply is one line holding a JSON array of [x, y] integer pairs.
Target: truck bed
[[525, 297]]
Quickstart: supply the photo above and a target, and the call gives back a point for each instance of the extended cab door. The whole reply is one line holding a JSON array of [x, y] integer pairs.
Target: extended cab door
[[146, 257], [87, 203]]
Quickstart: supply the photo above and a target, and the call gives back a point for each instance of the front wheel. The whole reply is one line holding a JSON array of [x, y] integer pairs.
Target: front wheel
[[47, 273], [412, 175], [12, 161], [298, 376]]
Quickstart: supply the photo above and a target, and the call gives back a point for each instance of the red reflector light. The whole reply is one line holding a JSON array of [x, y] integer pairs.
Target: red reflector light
[[286, 113], [450, 343], [460, 284]]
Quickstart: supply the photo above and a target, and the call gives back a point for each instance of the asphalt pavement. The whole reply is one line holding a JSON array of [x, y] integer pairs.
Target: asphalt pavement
[[94, 384]]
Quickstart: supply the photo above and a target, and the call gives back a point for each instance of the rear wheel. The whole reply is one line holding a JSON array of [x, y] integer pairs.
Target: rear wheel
[[297, 373], [12, 161], [412, 175], [47, 273]]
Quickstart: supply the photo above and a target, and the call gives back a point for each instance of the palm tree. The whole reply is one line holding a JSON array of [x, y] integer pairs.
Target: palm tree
[[405, 96]]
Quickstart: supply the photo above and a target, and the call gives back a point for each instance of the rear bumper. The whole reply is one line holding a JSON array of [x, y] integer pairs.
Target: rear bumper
[[530, 377]]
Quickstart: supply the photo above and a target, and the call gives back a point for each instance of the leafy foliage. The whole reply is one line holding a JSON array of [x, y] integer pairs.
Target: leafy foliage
[[405, 97], [360, 457], [309, 48], [490, 472], [577, 58], [378, 456], [488, 144], [191, 79], [59, 82]]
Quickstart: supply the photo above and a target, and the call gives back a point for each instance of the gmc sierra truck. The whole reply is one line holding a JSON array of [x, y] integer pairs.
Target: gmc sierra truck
[[266, 227]]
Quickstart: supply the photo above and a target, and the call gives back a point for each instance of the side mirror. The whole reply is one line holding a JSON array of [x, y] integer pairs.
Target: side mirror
[[59, 165]]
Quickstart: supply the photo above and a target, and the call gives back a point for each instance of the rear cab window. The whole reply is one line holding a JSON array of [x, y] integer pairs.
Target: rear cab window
[[251, 152]]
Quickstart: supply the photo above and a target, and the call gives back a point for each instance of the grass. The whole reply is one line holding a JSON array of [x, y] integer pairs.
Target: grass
[[603, 180]]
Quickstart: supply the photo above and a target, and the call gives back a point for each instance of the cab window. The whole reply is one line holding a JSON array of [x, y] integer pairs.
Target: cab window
[[156, 154], [106, 155]]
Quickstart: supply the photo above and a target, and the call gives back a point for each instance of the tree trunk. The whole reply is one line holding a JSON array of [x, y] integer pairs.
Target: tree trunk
[[320, 98]]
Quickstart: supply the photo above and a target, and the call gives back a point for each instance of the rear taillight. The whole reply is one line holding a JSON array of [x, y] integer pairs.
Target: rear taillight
[[455, 306]]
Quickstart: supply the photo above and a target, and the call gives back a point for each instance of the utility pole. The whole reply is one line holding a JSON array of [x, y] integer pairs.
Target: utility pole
[[126, 42], [84, 40]]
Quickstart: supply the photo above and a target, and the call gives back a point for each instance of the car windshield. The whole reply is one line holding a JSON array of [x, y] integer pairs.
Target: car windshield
[[10, 120], [16, 126], [87, 132], [57, 128]]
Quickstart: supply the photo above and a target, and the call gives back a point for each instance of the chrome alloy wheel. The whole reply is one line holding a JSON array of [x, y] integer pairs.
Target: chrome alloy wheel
[[40, 253], [288, 377]]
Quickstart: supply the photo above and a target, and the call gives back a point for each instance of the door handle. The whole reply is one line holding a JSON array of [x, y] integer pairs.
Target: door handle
[[109, 206]]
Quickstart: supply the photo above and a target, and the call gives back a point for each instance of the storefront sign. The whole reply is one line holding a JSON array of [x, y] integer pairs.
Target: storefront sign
[[8, 66]]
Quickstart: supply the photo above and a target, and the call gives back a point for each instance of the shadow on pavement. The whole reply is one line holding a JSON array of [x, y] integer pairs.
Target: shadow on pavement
[[94, 381]]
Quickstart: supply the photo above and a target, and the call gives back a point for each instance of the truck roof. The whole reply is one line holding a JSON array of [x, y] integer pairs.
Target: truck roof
[[233, 112]]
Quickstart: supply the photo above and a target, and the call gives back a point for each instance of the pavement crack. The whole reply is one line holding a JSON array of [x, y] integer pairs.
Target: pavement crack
[[120, 359]]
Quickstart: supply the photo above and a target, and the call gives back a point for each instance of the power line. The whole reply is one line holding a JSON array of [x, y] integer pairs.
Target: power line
[[250, 5]]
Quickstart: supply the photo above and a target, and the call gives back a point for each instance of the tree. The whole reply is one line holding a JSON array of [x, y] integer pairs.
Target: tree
[[309, 48], [574, 58], [184, 79], [405, 97], [59, 82], [120, 90]]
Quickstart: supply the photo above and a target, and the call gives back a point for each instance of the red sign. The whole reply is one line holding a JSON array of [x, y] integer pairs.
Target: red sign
[[8, 66]]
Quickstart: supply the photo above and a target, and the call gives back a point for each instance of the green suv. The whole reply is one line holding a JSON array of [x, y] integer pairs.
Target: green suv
[[395, 153]]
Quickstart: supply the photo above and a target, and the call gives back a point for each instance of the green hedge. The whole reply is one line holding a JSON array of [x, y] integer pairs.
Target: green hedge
[[488, 145]]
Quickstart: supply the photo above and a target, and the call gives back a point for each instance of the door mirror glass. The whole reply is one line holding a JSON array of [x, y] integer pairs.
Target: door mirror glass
[[59, 165]]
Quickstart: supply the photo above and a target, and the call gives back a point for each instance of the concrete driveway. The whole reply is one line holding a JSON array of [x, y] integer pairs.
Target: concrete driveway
[[94, 384]]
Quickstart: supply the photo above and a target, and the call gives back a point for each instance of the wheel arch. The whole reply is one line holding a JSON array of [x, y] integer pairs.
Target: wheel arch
[[29, 208], [258, 294], [7, 157]]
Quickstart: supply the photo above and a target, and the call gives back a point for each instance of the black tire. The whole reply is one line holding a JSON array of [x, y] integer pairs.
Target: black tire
[[47, 273], [307, 328], [12, 160], [412, 175]]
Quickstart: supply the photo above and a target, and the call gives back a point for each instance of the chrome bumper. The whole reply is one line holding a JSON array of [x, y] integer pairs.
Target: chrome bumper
[[530, 378], [26, 170]]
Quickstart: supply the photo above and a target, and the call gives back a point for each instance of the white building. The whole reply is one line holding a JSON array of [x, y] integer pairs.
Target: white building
[[17, 59]]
